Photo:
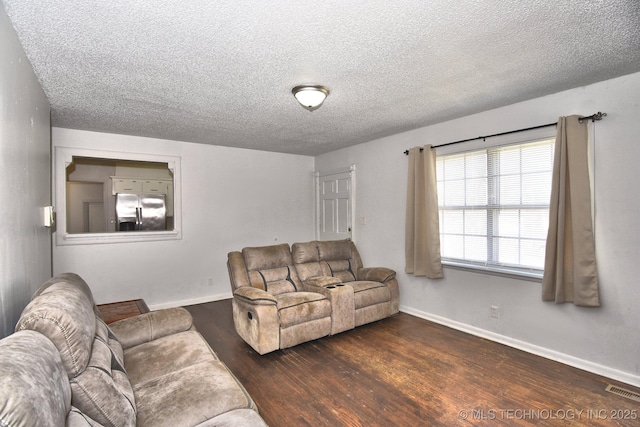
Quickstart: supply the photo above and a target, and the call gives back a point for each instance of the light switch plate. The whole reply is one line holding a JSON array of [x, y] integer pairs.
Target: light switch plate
[[48, 216]]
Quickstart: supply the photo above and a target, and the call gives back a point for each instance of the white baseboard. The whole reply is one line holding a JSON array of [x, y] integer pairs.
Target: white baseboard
[[191, 301], [585, 365]]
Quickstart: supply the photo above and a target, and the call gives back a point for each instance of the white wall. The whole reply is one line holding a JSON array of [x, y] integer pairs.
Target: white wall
[[603, 340], [25, 245], [231, 198]]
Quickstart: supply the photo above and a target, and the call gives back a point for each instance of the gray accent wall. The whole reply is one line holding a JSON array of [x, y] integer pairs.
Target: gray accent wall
[[231, 198], [604, 340], [25, 179]]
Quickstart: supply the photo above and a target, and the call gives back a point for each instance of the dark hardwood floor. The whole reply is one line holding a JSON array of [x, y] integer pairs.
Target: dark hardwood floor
[[407, 371]]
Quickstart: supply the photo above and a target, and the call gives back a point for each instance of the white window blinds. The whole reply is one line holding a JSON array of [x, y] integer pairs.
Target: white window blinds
[[494, 206]]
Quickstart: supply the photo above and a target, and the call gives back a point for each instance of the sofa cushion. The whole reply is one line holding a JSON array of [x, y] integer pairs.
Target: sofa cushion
[[64, 314], [323, 258], [155, 358], [301, 307], [190, 396], [63, 310], [266, 257], [275, 274], [269, 268], [280, 287], [34, 388], [77, 282], [274, 280], [334, 250], [342, 270], [103, 390], [307, 260], [311, 269], [71, 278], [76, 418], [305, 252]]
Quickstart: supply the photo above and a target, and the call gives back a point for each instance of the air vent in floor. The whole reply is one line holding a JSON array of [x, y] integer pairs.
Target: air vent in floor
[[624, 393]]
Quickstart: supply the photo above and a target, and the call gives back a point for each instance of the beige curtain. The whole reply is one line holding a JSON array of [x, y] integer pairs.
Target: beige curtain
[[422, 232], [570, 273]]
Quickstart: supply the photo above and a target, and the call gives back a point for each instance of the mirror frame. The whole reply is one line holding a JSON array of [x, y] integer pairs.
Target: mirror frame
[[64, 157]]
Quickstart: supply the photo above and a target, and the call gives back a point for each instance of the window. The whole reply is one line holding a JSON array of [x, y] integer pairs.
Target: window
[[86, 184], [494, 206], [92, 186]]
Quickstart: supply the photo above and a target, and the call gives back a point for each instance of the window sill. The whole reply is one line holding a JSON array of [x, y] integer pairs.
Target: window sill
[[117, 237], [529, 276]]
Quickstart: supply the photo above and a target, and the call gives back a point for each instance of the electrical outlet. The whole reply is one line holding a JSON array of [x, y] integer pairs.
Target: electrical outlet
[[495, 312], [210, 281]]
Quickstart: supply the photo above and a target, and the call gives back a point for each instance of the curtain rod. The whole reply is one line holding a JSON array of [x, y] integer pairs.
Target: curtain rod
[[593, 118]]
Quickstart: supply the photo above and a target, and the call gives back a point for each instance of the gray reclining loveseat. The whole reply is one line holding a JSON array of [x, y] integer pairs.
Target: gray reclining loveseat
[[284, 296]]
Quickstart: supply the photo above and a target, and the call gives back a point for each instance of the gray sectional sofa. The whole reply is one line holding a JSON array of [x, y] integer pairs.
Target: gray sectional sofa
[[284, 296], [65, 366]]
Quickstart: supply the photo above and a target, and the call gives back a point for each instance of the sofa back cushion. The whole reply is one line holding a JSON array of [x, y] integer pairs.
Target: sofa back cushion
[[103, 390], [324, 258], [267, 257], [306, 259], [74, 279], [92, 357], [34, 388], [77, 418], [305, 252], [334, 250], [276, 281], [342, 270], [65, 315], [270, 268], [342, 257]]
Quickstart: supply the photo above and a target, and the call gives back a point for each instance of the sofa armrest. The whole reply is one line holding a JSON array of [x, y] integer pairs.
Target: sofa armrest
[[151, 326], [237, 270], [376, 274], [321, 281], [254, 296], [325, 285]]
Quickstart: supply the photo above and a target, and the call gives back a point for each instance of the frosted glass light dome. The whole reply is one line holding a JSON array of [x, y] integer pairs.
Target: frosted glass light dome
[[310, 97]]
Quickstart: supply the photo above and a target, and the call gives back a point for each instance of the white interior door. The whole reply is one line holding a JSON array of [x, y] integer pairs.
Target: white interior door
[[95, 214], [335, 206], [79, 197]]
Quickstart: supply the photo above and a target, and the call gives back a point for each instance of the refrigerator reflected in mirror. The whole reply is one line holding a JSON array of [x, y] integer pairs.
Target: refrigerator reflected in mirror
[[141, 212]]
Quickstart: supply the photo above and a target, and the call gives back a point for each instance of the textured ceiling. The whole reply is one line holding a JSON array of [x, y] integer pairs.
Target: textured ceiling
[[221, 72]]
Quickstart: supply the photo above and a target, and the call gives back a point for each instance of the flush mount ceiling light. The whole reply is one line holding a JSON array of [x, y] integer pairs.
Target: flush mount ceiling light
[[310, 97]]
